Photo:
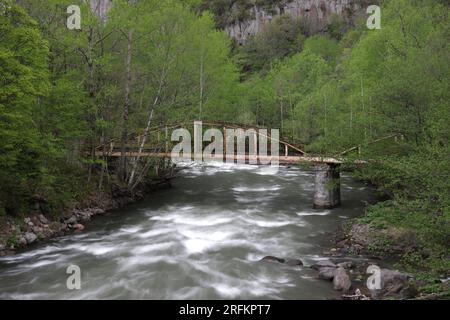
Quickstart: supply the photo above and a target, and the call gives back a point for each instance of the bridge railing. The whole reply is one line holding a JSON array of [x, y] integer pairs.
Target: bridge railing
[[396, 137], [159, 138]]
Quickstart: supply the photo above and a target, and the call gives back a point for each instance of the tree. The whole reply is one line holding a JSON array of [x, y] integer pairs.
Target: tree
[[278, 39], [24, 77]]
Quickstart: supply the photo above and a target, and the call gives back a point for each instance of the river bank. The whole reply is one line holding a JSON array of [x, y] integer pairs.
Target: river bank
[[400, 230], [356, 247], [17, 234]]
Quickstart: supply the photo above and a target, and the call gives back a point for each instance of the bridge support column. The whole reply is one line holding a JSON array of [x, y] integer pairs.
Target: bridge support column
[[327, 186]]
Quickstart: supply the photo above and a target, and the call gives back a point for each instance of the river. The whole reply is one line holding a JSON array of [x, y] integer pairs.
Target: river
[[201, 239]]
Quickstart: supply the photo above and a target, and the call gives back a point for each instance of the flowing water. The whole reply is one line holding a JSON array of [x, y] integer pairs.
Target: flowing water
[[201, 239]]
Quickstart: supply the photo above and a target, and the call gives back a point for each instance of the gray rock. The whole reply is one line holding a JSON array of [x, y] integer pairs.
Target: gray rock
[[445, 280], [323, 264], [273, 259], [30, 237], [327, 273], [409, 292], [345, 265], [316, 12], [97, 211], [341, 280], [294, 262], [78, 227], [85, 216], [395, 284], [72, 220], [362, 234], [43, 219], [2, 247], [389, 277], [27, 220], [22, 242], [288, 262], [36, 230]]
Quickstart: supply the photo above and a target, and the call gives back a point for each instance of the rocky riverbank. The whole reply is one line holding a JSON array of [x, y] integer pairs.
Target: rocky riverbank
[[357, 246], [348, 274], [20, 233], [360, 253]]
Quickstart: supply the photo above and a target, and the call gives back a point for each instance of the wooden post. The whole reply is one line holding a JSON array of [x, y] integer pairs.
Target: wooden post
[[255, 146], [167, 140], [286, 151], [224, 144]]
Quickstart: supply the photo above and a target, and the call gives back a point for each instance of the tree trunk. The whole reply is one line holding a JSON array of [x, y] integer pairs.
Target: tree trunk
[[201, 85], [141, 147], [147, 128], [126, 107]]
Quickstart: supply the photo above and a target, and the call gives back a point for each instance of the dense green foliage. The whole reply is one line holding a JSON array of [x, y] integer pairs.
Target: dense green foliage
[[62, 92], [333, 95], [24, 77], [279, 39], [65, 91]]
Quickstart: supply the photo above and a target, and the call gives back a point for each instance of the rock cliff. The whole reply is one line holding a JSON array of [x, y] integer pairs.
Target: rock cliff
[[316, 14]]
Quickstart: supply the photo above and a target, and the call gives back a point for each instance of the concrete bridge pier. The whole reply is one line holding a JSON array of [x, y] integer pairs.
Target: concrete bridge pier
[[327, 186]]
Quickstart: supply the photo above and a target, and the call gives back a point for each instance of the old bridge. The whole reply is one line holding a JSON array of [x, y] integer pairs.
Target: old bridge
[[156, 142]]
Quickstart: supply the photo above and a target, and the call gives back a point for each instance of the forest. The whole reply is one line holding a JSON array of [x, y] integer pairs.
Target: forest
[[63, 92]]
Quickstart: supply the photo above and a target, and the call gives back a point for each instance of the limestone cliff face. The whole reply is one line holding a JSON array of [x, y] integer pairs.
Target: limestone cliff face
[[315, 13]]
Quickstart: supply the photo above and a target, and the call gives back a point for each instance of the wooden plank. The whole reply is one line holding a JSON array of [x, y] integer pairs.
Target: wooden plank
[[288, 159]]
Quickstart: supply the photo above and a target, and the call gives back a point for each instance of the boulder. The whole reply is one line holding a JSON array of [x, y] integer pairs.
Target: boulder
[[327, 273], [97, 211], [273, 259], [409, 292], [36, 229], [85, 216], [30, 237], [22, 242], [389, 277], [72, 220], [395, 284], [345, 265], [43, 219], [294, 262], [341, 280], [362, 234], [323, 264], [288, 262], [78, 227]]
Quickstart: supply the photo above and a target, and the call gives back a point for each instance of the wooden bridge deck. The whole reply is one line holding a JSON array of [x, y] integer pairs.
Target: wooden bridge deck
[[139, 146], [231, 158]]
